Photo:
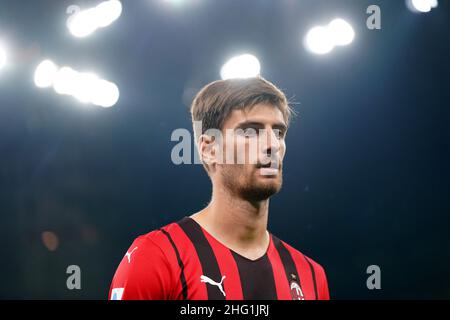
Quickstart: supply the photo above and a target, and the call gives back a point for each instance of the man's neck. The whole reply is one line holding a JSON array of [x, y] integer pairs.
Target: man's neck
[[237, 223]]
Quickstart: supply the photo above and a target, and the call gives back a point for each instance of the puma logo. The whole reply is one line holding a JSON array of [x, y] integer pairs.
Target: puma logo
[[212, 282], [128, 254]]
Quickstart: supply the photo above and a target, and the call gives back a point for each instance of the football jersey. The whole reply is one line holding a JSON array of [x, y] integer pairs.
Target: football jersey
[[182, 261]]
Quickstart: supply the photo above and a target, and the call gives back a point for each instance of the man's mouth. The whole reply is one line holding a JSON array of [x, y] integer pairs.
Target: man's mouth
[[269, 169]]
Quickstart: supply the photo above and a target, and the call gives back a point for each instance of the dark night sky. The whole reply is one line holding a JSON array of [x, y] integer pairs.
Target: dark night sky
[[366, 177]]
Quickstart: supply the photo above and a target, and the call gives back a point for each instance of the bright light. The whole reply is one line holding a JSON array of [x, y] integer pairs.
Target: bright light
[[243, 66], [341, 32], [85, 22], [108, 12], [323, 39], [65, 81], [318, 40], [45, 74], [421, 6], [106, 94], [2, 57], [175, 2], [86, 87]]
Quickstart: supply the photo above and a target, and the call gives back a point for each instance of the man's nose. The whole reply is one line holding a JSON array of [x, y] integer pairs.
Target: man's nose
[[271, 144]]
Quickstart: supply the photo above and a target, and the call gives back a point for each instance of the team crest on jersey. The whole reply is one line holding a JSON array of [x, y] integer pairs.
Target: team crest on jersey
[[296, 290]]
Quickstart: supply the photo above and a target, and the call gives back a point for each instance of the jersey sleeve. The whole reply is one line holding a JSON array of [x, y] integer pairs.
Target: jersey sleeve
[[323, 292], [143, 274]]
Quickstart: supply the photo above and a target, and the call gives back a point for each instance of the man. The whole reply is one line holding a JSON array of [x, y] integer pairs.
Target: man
[[225, 251]]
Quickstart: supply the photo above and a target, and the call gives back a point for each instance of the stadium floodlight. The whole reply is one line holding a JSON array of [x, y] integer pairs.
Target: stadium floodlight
[[341, 32], [421, 6], [323, 39], [318, 40], [106, 94], [3, 57], [65, 81], [108, 12], [45, 74], [243, 66], [86, 87], [86, 22]]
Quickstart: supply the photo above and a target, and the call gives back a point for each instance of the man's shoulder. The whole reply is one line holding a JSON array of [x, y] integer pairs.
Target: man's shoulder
[[147, 269], [300, 256], [158, 237]]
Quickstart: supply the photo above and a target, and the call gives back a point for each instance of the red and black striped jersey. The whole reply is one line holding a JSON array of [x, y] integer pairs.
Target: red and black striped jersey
[[183, 261]]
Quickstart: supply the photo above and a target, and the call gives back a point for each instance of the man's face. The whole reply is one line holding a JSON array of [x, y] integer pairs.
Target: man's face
[[253, 151]]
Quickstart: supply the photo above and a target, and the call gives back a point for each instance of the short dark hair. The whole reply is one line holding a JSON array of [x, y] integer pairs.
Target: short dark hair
[[214, 102]]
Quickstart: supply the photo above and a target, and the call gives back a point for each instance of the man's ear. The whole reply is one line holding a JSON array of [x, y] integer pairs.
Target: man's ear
[[207, 149]]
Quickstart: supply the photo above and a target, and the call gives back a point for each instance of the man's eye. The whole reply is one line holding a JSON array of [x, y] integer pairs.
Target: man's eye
[[250, 132], [280, 134]]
